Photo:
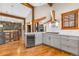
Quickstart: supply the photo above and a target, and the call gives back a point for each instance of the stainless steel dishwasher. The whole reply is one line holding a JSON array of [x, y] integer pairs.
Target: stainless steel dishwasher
[[30, 40]]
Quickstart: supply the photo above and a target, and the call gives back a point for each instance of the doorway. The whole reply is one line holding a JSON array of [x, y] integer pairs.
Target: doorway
[[28, 28]]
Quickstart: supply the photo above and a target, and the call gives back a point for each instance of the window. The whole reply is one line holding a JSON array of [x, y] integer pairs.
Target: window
[[70, 20]]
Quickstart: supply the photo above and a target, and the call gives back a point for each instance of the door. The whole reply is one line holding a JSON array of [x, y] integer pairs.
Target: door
[[28, 28]]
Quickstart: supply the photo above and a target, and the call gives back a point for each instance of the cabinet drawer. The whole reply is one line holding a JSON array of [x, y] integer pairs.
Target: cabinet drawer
[[70, 42], [70, 49], [55, 36], [55, 42], [70, 37]]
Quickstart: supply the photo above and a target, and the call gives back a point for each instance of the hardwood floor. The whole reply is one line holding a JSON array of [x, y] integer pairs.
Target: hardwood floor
[[17, 48]]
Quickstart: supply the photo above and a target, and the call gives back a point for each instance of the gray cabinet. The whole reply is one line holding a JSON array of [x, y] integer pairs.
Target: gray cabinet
[[51, 39], [38, 38], [63, 42], [70, 44], [55, 41], [46, 38]]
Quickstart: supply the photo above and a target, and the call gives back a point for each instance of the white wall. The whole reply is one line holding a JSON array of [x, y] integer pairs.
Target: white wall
[[62, 8], [28, 19], [41, 11], [45, 10]]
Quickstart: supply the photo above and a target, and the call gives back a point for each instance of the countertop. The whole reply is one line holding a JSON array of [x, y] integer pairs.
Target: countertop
[[10, 30], [40, 32]]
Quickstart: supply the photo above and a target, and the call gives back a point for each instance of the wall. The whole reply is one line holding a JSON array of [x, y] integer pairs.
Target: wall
[[41, 11], [62, 8], [29, 19]]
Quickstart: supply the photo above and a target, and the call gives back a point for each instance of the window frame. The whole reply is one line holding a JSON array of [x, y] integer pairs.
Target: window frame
[[75, 19]]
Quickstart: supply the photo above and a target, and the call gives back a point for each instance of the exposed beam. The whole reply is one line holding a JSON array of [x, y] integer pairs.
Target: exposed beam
[[33, 17], [47, 21], [50, 4], [30, 6], [39, 19], [13, 16]]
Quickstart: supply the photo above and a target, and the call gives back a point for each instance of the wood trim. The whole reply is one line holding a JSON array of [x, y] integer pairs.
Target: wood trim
[[47, 21], [53, 13], [39, 19], [76, 19], [28, 5], [13, 16], [33, 16], [50, 4]]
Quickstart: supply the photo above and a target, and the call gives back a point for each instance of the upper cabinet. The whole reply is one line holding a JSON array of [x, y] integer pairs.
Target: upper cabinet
[[70, 20]]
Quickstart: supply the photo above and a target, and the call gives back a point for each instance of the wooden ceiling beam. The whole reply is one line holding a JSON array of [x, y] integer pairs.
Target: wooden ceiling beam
[[28, 5], [39, 19], [47, 21], [50, 4], [12, 16]]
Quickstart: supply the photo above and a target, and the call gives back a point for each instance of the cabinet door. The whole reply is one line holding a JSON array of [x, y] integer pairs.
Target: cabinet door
[[46, 39], [55, 42], [38, 38], [70, 49]]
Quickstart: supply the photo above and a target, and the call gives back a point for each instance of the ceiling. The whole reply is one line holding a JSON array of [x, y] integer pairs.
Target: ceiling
[[37, 4]]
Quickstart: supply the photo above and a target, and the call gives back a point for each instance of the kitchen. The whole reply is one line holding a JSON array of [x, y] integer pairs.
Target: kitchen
[[54, 31]]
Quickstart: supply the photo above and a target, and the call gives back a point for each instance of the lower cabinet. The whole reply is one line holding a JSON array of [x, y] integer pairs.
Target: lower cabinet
[[38, 38], [52, 40], [55, 43], [70, 44], [70, 49], [67, 43], [46, 38]]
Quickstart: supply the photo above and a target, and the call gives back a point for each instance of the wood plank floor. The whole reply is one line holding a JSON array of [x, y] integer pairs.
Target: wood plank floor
[[17, 48]]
